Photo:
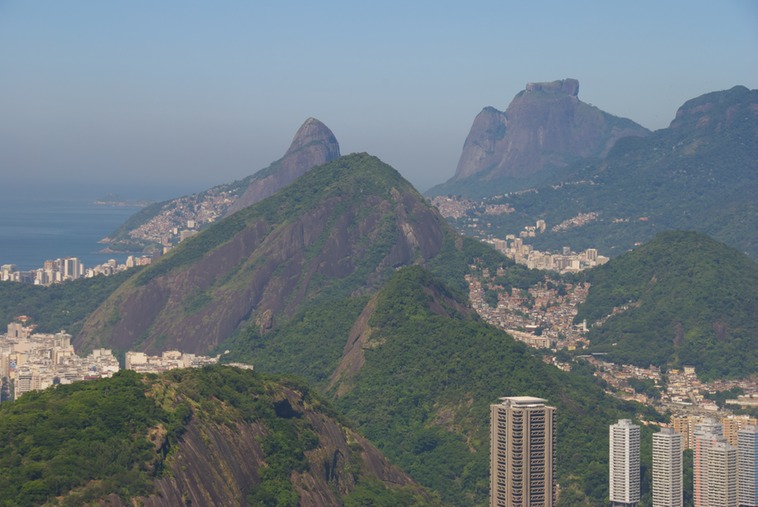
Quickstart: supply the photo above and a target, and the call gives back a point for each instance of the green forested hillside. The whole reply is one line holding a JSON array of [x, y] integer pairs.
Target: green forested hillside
[[429, 376], [60, 306], [431, 371], [682, 299], [90, 435], [339, 231], [311, 343], [136, 436]]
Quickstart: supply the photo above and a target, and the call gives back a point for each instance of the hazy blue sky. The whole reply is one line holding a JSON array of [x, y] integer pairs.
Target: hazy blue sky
[[194, 94]]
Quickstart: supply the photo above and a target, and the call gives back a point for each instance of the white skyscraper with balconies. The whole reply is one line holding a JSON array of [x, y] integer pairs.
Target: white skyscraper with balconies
[[747, 465], [624, 464], [722, 474], [667, 469]]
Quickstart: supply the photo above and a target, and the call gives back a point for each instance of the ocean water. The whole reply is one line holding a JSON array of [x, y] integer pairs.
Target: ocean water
[[35, 230]]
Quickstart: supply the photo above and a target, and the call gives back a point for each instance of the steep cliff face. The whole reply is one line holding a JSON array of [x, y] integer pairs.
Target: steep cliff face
[[481, 150], [545, 128], [313, 145], [340, 229]]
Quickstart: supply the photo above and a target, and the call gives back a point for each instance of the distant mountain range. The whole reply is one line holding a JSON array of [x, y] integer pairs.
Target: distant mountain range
[[700, 173], [544, 130], [350, 279]]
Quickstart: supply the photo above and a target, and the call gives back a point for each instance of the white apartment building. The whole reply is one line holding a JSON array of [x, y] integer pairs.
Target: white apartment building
[[624, 464], [667, 469]]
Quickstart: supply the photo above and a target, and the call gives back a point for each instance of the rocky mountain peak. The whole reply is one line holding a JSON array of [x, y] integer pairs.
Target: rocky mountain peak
[[314, 131], [544, 129], [313, 145], [717, 111], [564, 86]]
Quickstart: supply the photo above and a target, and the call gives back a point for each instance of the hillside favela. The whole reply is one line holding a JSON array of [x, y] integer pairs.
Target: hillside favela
[[558, 311]]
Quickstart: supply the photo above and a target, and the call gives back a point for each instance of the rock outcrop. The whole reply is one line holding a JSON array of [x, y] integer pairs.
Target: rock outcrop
[[716, 111], [213, 436], [221, 463], [313, 145], [545, 128]]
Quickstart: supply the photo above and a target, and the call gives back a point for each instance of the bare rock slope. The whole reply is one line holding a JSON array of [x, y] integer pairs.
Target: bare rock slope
[[546, 127], [313, 145]]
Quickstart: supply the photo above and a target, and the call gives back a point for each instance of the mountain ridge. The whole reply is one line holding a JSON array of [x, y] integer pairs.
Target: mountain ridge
[[313, 145], [544, 129], [701, 173], [342, 227]]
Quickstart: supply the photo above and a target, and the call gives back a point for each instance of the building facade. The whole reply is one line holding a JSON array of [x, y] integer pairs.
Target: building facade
[[707, 434], [667, 469], [722, 475], [747, 464], [624, 464], [522, 453]]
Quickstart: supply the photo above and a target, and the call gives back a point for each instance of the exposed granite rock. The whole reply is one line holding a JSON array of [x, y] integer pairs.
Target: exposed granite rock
[[545, 127], [313, 145], [480, 150], [218, 461]]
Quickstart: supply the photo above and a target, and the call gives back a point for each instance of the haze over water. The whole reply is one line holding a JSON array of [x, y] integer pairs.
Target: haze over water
[[35, 230]]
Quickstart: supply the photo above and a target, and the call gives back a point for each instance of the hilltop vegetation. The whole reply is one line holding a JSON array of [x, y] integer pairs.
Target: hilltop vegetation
[[133, 439], [685, 299], [88, 436], [311, 343]]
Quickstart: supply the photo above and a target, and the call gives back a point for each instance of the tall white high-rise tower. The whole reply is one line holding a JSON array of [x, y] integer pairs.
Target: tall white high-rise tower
[[624, 464], [667, 469], [707, 434], [747, 466]]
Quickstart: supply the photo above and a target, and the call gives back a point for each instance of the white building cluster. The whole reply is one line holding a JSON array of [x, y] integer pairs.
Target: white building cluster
[[565, 262], [169, 360], [30, 361], [67, 269], [724, 475]]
